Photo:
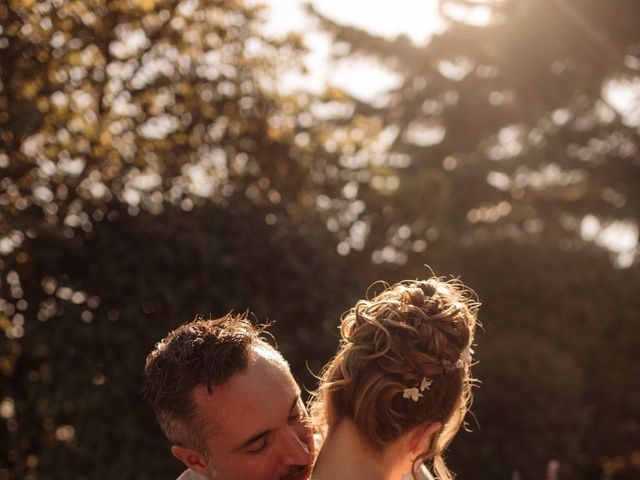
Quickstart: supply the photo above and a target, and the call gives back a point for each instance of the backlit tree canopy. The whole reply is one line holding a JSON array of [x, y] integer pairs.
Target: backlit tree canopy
[[148, 103], [514, 117]]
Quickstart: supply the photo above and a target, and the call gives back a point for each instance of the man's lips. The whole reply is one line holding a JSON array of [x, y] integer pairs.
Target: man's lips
[[303, 475]]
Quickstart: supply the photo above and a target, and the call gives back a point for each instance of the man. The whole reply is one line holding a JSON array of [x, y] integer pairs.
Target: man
[[228, 403]]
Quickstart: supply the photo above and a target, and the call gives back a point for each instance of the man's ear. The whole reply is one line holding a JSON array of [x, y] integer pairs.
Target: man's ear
[[192, 459], [422, 436]]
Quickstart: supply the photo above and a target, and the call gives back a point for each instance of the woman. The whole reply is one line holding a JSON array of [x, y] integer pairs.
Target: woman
[[398, 389]]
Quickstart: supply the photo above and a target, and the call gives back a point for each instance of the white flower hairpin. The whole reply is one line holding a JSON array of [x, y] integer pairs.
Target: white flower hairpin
[[466, 357], [414, 392], [425, 384]]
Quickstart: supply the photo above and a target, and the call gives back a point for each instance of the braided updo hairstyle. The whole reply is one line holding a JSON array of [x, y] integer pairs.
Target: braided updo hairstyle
[[412, 330]]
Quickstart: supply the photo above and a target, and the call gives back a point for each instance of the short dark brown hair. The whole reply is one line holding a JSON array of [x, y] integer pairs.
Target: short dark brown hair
[[203, 352]]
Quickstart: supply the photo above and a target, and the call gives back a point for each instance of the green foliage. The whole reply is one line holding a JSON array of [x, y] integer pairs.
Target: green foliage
[[149, 172], [555, 328], [102, 303]]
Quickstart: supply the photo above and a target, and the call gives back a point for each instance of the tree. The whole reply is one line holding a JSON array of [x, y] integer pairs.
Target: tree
[[150, 170], [506, 127]]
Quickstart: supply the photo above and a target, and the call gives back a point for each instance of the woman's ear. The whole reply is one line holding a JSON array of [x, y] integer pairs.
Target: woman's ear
[[190, 458], [422, 436]]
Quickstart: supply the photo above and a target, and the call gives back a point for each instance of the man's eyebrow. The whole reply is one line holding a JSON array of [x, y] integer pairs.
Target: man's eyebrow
[[258, 436]]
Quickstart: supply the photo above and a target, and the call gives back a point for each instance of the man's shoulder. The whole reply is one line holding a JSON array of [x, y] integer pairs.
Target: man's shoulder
[[189, 474]]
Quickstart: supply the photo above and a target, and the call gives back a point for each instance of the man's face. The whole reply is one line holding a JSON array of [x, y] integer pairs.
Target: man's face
[[255, 424]]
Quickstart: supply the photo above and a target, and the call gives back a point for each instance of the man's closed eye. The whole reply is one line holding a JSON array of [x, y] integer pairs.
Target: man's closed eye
[[260, 445]]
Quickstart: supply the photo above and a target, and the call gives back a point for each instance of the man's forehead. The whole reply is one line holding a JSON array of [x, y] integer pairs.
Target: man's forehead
[[249, 400], [269, 353]]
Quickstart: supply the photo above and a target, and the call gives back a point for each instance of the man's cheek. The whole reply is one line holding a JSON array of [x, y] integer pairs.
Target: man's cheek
[[305, 435]]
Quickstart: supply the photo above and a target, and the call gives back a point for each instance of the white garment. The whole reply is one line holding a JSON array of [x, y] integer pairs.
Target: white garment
[[425, 474], [189, 474]]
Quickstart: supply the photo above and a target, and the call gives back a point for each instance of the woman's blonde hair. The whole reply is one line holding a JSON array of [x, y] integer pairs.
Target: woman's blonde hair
[[412, 330]]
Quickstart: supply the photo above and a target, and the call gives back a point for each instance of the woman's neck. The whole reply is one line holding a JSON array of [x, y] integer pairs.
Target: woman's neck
[[346, 454]]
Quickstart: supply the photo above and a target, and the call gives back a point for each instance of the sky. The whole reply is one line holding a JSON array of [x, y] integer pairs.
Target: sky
[[363, 78]]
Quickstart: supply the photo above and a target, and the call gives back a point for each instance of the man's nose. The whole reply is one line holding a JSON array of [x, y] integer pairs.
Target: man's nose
[[294, 449]]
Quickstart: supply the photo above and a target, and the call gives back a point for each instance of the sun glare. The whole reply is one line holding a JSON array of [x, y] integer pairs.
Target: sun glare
[[417, 19], [624, 96], [365, 79], [621, 238]]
